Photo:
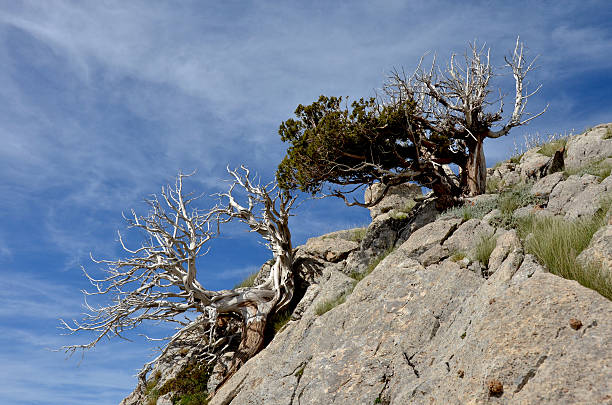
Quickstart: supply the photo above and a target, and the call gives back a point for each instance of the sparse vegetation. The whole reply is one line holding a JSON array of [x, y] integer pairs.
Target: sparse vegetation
[[328, 305], [494, 184], [300, 371], [600, 168], [189, 386], [548, 144], [457, 256], [608, 134], [556, 243], [279, 320], [549, 149], [516, 158], [399, 215], [471, 210], [483, 249], [248, 281], [151, 392], [357, 277], [519, 196], [377, 260], [358, 234]]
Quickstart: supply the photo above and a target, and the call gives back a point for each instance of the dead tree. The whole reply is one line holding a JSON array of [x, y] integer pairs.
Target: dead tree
[[454, 103], [158, 281]]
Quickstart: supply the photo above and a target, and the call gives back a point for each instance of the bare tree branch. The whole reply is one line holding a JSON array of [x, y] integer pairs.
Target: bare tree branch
[[158, 281]]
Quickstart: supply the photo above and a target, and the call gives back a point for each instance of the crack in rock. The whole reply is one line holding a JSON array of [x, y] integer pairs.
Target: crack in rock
[[450, 232], [530, 374], [298, 372], [409, 361], [436, 326]]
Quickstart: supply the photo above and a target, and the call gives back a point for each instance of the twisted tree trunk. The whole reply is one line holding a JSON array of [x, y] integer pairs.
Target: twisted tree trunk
[[476, 168]]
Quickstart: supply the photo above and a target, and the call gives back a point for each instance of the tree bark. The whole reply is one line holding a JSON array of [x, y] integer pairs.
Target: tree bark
[[252, 341], [476, 168]]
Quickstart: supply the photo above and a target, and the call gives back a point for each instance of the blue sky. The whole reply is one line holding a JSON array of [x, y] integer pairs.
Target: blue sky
[[105, 101]]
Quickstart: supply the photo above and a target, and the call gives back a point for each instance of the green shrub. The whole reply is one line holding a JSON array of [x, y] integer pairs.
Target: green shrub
[[511, 200], [408, 206], [556, 242], [608, 134], [399, 215], [151, 392], [189, 385], [377, 260], [248, 281], [483, 249]]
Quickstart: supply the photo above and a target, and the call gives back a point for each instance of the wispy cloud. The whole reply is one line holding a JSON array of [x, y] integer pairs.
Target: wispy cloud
[[104, 102]]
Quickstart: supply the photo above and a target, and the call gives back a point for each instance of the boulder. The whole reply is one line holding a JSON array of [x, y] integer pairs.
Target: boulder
[[587, 202], [434, 233], [397, 197], [331, 248], [589, 147], [533, 164], [599, 251], [468, 235], [545, 185], [507, 242], [563, 194]]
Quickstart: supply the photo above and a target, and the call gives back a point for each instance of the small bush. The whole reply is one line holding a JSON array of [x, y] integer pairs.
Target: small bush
[[484, 248], [248, 281], [516, 159], [510, 200], [151, 392], [377, 260], [608, 134], [399, 215], [408, 206]]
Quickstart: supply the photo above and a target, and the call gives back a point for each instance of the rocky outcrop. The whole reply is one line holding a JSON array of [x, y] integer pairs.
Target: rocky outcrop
[[432, 324], [410, 334], [593, 145]]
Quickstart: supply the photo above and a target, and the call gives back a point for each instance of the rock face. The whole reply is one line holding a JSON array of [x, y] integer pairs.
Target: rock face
[[431, 324], [594, 145], [410, 334]]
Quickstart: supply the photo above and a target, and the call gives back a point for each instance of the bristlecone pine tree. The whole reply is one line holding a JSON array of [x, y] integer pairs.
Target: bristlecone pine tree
[[412, 132]]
